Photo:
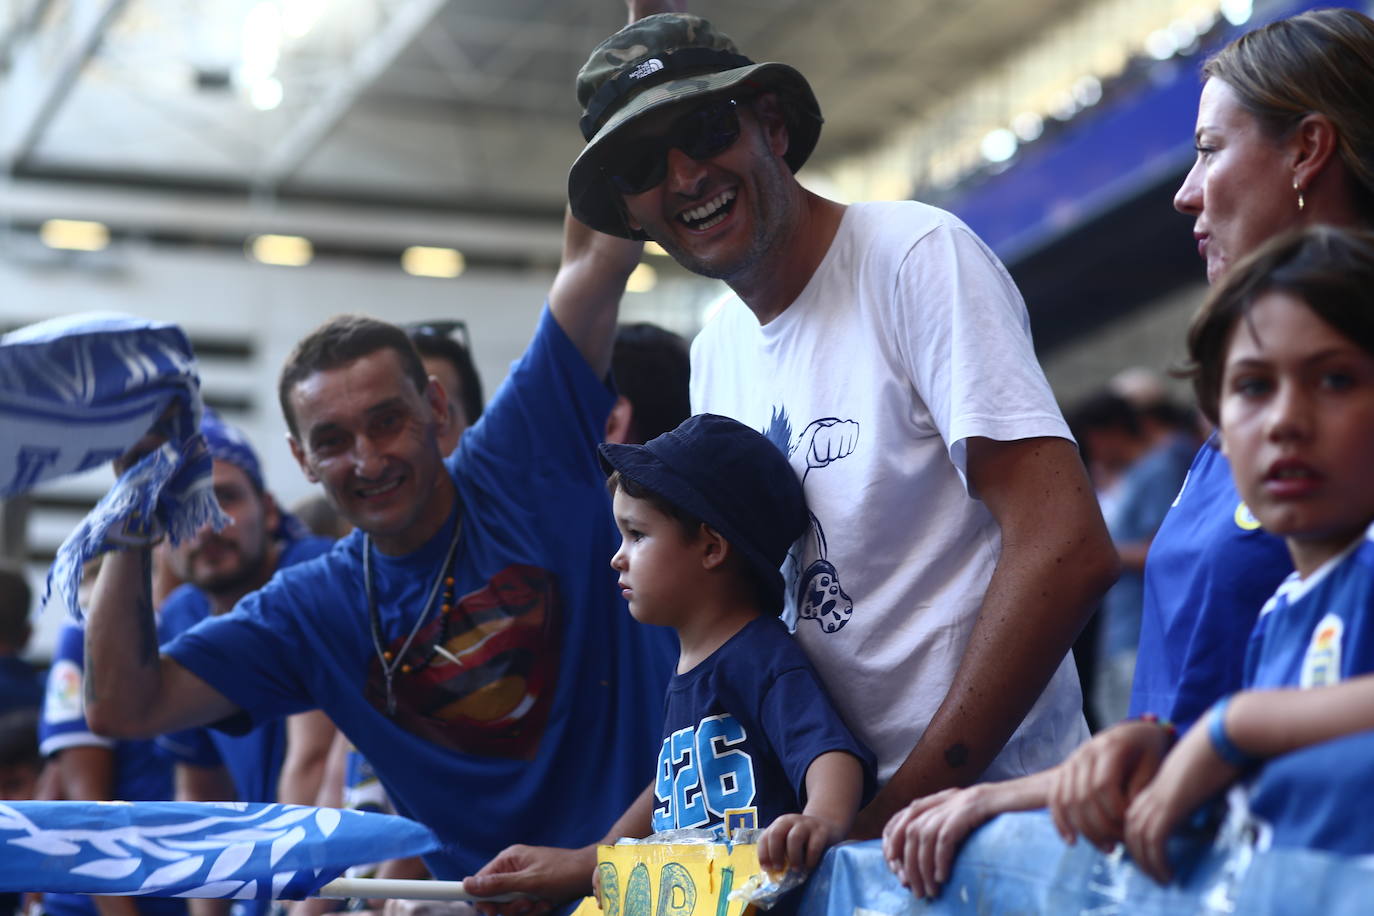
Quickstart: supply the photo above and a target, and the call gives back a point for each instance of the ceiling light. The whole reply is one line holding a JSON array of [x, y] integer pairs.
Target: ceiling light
[[642, 279], [265, 94], [999, 145], [1063, 106], [74, 235], [1028, 126], [260, 49], [1203, 18], [1185, 31], [1237, 12], [1161, 44], [1087, 91], [425, 261], [281, 250], [298, 17]]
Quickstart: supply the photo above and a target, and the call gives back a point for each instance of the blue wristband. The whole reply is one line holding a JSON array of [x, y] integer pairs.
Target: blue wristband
[[1221, 742]]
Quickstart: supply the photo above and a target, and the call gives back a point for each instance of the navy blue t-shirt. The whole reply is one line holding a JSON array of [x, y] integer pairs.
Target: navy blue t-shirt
[[254, 759], [537, 724], [740, 730], [1209, 571]]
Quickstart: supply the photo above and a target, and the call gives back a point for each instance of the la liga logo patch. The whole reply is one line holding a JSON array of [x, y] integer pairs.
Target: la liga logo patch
[[1321, 665]]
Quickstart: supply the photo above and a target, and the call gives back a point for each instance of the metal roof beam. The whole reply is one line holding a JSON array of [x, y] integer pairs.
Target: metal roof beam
[[406, 23], [46, 67]]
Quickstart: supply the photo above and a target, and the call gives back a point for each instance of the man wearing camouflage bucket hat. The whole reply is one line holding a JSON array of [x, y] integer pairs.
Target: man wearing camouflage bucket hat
[[955, 548], [886, 351]]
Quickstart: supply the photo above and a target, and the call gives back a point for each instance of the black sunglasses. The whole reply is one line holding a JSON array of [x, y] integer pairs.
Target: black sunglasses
[[451, 328], [640, 164]]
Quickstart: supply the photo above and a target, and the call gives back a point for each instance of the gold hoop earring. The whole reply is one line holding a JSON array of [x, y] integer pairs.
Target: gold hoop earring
[[1301, 203]]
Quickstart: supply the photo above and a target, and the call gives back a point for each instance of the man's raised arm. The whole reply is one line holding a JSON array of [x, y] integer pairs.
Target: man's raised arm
[[585, 297], [131, 690], [1057, 560]]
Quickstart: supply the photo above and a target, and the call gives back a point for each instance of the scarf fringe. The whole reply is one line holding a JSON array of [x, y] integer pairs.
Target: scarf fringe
[[167, 492]]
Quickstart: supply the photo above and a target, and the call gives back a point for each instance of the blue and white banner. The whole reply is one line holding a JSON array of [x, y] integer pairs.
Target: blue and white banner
[[75, 393], [193, 849]]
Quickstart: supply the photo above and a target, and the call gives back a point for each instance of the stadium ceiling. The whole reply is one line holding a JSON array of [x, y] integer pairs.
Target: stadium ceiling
[[464, 106]]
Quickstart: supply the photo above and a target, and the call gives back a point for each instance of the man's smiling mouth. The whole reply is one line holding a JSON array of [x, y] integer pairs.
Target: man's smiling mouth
[[380, 488], [709, 213]]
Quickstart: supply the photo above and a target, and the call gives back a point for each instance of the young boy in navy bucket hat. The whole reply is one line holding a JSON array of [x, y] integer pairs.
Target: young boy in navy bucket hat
[[707, 513]]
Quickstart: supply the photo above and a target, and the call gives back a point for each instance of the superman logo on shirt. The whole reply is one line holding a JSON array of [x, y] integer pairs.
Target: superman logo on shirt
[[481, 677]]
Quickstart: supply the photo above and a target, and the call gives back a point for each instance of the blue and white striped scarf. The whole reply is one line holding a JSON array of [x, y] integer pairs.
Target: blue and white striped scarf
[[77, 392]]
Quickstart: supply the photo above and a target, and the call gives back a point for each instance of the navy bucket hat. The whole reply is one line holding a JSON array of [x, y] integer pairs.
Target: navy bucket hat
[[732, 478]]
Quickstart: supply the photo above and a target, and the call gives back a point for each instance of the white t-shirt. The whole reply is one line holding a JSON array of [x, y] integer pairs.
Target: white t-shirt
[[910, 338]]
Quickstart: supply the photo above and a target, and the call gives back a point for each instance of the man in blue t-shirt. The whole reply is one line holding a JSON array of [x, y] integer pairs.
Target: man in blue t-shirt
[[468, 636]]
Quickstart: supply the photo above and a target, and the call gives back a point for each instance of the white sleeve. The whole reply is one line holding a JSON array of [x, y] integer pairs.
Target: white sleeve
[[963, 335]]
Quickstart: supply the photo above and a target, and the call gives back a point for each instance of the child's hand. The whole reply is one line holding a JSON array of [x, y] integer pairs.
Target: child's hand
[[1191, 774], [795, 841]]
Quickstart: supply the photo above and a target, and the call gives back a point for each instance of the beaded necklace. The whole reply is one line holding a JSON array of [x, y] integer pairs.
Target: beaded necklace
[[391, 663]]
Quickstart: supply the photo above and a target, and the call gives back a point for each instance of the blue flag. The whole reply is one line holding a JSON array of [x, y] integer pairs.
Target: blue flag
[[193, 849]]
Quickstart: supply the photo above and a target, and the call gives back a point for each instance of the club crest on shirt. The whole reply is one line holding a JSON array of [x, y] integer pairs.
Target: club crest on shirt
[[1321, 665], [1245, 519], [488, 686], [62, 702]]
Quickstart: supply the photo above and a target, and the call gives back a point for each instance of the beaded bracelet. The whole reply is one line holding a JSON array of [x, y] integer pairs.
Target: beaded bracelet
[[1170, 729], [1221, 742]]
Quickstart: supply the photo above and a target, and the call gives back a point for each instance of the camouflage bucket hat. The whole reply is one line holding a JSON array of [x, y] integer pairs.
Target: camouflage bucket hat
[[659, 61]]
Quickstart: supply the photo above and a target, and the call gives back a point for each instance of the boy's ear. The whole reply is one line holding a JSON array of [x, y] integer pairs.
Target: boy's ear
[[715, 549]]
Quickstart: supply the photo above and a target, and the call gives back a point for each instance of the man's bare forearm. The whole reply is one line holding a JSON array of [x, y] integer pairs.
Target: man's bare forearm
[[1050, 574], [636, 821], [132, 691], [121, 640], [586, 291]]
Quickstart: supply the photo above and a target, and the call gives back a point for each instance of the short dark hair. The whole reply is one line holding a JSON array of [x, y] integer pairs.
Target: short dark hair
[[1170, 415], [691, 527], [690, 524], [1331, 270], [19, 738], [321, 516], [1104, 410], [651, 367], [340, 341], [429, 341], [15, 598]]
